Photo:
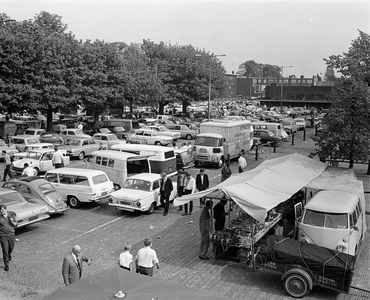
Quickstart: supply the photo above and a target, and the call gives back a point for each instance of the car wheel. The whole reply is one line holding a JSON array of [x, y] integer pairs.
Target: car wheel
[[74, 202], [81, 156], [157, 143], [36, 171], [189, 137], [296, 285], [151, 208]]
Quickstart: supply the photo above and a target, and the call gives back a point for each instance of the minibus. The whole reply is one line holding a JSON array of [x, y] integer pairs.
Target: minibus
[[118, 165], [161, 158], [333, 219], [274, 127]]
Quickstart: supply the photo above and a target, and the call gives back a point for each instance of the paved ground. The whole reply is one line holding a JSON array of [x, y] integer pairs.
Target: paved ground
[[101, 231]]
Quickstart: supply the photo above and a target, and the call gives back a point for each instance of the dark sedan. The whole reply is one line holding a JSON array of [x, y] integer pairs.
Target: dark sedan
[[267, 137]]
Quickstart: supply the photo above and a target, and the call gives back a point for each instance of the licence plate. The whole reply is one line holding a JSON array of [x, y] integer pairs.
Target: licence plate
[[33, 218], [125, 203], [104, 193]]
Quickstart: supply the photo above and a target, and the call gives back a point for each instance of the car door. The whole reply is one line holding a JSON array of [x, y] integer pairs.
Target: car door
[[93, 146], [138, 136], [46, 162], [156, 192]]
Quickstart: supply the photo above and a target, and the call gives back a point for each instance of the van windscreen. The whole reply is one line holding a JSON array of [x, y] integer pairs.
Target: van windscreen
[[99, 179], [327, 220]]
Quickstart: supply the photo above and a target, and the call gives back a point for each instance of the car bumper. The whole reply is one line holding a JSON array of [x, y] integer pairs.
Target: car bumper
[[130, 208], [31, 220]]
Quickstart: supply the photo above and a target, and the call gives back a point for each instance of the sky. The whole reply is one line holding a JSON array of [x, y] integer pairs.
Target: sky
[[297, 34]]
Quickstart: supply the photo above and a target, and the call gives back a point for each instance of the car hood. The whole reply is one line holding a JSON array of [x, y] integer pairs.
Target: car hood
[[25, 210], [20, 163], [129, 194]]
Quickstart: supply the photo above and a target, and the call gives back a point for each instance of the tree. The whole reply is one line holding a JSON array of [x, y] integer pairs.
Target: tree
[[329, 74], [348, 127], [252, 69]]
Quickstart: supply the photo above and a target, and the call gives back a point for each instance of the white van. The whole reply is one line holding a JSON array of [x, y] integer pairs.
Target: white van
[[80, 185], [333, 219], [274, 127], [118, 165]]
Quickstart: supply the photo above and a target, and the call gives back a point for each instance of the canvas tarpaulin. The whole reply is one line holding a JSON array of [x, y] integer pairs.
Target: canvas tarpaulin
[[261, 189]]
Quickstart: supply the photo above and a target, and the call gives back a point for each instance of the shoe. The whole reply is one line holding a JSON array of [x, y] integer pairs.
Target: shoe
[[165, 214], [190, 214], [10, 258], [6, 268], [184, 214], [179, 210]]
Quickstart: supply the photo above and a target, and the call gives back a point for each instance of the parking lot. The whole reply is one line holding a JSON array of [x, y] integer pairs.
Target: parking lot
[[102, 230]]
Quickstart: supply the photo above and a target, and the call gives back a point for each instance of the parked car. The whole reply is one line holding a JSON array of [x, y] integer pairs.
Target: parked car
[[11, 150], [21, 141], [34, 132], [301, 123], [80, 146], [271, 116], [51, 137], [140, 193], [40, 191], [20, 155], [163, 130], [70, 132], [185, 131], [267, 136], [290, 125], [27, 212], [40, 160], [150, 137], [108, 139]]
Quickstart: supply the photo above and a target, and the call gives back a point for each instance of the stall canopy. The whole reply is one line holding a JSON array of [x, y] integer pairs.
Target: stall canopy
[[261, 189]]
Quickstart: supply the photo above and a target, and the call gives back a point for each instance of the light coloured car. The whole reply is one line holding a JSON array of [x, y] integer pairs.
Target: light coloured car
[[21, 141], [108, 139], [34, 132], [70, 132], [81, 146], [38, 190], [301, 123], [20, 155], [140, 193], [27, 213], [163, 130], [11, 150], [290, 125], [185, 131], [41, 160], [150, 137]]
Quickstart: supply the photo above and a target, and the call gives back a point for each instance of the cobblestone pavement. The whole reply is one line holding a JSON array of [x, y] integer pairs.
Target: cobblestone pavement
[[101, 231]]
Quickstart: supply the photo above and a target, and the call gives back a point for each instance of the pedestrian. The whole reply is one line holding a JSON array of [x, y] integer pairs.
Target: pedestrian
[[8, 222], [242, 162], [27, 171], [43, 124], [219, 214], [72, 265], [57, 158], [205, 228], [126, 259], [166, 188], [225, 171], [8, 163], [146, 258], [180, 184], [80, 126], [174, 145], [202, 183], [189, 188]]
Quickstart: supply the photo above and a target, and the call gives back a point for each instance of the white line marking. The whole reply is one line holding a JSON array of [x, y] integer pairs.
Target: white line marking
[[92, 230]]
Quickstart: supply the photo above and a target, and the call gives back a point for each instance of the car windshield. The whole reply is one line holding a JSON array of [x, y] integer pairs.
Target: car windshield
[[34, 155], [99, 179], [49, 191], [30, 132], [207, 141], [163, 128], [112, 137], [186, 156], [79, 131], [328, 220], [11, 198], [70, 142], [137, 184]]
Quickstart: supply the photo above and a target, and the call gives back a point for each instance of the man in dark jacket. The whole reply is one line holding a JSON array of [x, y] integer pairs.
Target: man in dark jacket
[[8, 222], [165, 188], [219, 215], [202, 183]]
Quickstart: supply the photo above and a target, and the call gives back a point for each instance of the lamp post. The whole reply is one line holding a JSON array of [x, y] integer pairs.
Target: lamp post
[[210, 83], [282, 85]]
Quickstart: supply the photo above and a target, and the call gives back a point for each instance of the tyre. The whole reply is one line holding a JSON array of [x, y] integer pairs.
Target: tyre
[[157, 143], [74, 202], [151, 208], [296, 285], [189, 137], [36, 171], [81, 156]]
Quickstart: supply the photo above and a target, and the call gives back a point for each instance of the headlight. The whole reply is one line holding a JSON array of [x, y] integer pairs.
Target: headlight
[[341, 248], [345, 240], [214, 158], [138, 204], [110, 200]]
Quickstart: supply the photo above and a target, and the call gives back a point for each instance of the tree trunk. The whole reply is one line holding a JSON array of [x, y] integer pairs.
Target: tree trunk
[[49, 118]]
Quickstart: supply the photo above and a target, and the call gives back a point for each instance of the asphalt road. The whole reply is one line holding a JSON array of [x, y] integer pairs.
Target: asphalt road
[[101, 231]]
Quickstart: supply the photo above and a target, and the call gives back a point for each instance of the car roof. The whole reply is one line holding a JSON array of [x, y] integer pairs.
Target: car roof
[[79, 137], [4, 191], [42, 150], [146, 176], [114, 154], [31, 128], [28, 179], [104, 133], [23, 136], [332, 201], [76, 171], [140, 147]]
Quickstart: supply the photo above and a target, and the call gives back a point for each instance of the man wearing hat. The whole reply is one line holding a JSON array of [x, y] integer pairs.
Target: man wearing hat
[[202, 183], [189, 188], [8, 222]]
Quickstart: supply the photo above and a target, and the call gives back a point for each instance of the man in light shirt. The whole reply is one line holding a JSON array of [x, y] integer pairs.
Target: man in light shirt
[[189, 188], [57, 158], [242, 162], [27, 171], [146, 258]]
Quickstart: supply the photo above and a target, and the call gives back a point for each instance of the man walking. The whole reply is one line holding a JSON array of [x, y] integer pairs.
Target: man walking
[[146, 258], [72, 265], [189, 188], [57, 158], [205, 228], [166, 188], [242, 162], [7, 166], [202, 183], [8, 222]]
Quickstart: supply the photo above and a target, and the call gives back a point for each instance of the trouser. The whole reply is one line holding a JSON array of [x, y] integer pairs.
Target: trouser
[[190, 204], [59, 165], [146, 271], [240, 169], [204, 245], [165, 201], [180, 191], [7, 172], [7, 245]]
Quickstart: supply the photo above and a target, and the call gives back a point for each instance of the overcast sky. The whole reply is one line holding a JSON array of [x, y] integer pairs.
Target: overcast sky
[[285, 33]]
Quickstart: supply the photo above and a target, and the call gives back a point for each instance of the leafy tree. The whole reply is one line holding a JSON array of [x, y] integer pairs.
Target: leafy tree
[[329, 74], [250, 68], [348, 127]]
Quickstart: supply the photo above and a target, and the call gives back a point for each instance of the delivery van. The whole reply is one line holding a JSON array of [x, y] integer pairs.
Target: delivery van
[[335, 220]]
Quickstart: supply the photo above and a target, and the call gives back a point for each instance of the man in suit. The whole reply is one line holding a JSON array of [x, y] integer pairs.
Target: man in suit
[[202, 183], [165, 188], [72, 265]]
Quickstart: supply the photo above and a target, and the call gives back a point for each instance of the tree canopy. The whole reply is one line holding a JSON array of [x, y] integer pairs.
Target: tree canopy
[[250, 68]]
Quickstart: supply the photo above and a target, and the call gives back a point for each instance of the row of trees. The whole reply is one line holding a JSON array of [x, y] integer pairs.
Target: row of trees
[[45, 68]]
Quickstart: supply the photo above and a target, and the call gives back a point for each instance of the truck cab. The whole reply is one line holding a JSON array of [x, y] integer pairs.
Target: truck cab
[[209, 149]]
